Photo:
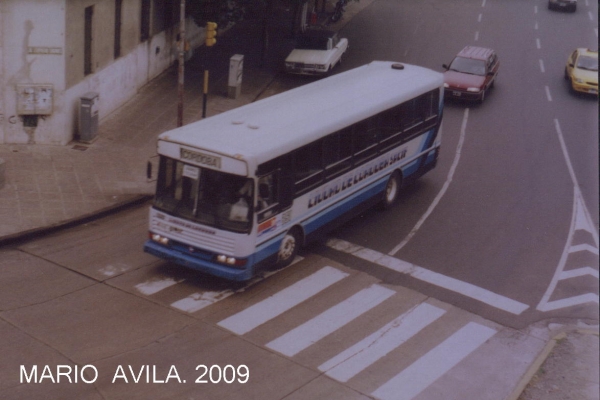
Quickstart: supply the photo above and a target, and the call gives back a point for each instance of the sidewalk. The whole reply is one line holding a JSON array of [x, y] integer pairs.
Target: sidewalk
[[50, 186]]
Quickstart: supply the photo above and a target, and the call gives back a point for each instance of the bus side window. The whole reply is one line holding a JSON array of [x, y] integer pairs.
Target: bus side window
[[308, 166], [366, 138], [267, 191]]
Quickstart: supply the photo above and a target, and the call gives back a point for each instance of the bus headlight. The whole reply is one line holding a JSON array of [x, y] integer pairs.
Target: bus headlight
[[159, 238], [231, 261]]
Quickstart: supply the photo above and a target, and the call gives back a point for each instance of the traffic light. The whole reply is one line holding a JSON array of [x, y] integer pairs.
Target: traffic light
[[211, 33]]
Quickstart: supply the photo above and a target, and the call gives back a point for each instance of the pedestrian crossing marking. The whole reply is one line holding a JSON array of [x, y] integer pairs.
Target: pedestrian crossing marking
[[439, 360], [310, 332], [153, 286], [198, 301], [282, 301], [377, 345]]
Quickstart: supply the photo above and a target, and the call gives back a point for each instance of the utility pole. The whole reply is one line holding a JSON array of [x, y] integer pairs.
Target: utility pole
[[180, 65]]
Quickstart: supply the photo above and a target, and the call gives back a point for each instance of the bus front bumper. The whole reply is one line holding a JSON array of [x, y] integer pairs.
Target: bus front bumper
[[198, 264]]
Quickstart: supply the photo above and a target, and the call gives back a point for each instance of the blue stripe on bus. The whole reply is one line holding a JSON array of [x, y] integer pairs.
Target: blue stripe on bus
[[340, 208]]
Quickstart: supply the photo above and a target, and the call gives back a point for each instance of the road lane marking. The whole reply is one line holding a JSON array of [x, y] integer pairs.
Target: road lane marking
[[310, 332], [535, 9], [542, 66], [538, 44], [548, 96], [590, 15], [574, 273], [483, 4], [155, 285], [434, 203], [282, 301], [377, 345], [580, 220], [476, 35], [536, 25], [427, 369], [434, 278], [479, 17]]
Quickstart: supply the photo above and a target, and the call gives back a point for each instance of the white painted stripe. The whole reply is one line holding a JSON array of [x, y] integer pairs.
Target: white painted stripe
[[535, 9], [569, 302], [329, 321], [566, 155], [198, 301], [156, 285], [538, 44], [377, 345], [536, 26], [583, 247], [477, 36], [434, 203], [574, 273], [548, 96], [446, 282], [590, 15], [483, 4], [427, 369], [282, 301], [596, 31], [479, 17], [542, 66]]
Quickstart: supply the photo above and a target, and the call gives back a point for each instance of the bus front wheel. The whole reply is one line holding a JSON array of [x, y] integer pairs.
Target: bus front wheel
[[288, 248], [392, 189]]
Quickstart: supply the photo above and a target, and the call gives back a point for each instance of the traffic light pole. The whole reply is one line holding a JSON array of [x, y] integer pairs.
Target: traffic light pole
[[180, 69]]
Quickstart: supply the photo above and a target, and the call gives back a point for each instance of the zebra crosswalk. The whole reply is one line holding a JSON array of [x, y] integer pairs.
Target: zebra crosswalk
[[382, 341]]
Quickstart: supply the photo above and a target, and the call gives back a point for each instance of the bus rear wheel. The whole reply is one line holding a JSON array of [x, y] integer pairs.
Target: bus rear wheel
[[392, 189], [288, 248]]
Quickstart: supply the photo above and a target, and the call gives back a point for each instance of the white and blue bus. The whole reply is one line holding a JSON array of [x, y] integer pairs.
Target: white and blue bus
[[241, 191]]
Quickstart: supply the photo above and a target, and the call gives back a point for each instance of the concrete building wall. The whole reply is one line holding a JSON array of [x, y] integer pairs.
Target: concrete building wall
[[54, 29], [32, 47]]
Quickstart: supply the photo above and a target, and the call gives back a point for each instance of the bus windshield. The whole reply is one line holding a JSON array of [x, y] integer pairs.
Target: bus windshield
[[209, 197]]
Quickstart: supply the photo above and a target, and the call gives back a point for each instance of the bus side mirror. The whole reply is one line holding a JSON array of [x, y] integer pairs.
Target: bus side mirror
[[149, 170]]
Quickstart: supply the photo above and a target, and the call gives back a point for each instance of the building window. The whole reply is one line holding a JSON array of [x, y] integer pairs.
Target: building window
[[118, 17], [87, 39], [145, 21]]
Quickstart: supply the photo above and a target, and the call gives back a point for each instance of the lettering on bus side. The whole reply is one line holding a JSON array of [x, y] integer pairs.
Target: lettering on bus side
[[200, 158], [333, 188]]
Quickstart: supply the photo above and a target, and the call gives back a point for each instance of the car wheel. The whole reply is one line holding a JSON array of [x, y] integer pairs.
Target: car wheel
[[392, 190], [288, 248]]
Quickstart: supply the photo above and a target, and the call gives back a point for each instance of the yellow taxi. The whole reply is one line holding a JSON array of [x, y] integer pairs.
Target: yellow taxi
[[582, 71]]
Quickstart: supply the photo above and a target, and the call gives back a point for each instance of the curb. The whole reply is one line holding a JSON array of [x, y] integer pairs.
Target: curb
[[131, 201], [535, 366], [543, 356]]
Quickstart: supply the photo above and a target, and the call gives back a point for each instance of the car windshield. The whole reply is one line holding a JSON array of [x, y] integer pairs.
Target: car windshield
[[205, 196], [586, 62], [310, 42], [468, 66]]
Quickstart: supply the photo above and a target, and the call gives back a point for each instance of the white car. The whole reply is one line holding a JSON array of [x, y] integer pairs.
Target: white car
[[316, 52]]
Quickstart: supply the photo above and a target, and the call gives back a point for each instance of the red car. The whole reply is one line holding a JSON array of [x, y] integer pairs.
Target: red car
[[471, 73]]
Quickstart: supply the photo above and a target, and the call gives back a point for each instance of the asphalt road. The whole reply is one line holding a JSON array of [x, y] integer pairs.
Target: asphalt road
[[527, 162]]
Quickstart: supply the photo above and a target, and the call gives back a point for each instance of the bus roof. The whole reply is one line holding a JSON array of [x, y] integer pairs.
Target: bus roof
[[260, 131]]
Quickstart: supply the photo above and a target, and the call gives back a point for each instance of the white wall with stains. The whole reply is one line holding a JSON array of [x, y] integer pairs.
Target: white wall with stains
[[41, 43]]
